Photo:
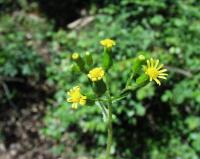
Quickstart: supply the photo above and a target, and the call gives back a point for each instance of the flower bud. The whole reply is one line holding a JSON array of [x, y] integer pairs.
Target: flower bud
[[79, 61], [107, 59], [88, 59], [137, 64], [75, 68], [142, 80], [99, 87]]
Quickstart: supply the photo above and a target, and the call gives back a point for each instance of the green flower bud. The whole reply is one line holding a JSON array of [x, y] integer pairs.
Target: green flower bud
[[142, 80], [75, 68], [79, 61], [99, 87], [137, 64], [88, 59], [107, 59]]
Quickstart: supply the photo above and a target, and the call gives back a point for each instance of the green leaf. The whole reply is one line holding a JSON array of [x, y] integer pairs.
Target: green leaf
[[140, 109]]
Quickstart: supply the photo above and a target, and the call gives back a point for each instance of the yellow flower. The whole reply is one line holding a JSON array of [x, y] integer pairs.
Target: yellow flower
[[155, 71], [76, 97], [75, 56], [108, 43], [96, 74]]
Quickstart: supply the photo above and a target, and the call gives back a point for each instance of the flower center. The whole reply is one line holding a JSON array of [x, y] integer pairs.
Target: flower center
[[76, 97], [152, 72], [96, 73]]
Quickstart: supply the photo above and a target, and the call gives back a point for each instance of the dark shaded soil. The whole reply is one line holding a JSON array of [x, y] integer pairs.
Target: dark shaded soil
[[20, 124]]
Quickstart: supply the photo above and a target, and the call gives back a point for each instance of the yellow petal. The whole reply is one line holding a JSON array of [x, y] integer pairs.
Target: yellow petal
[[163, 70], [82, 102], [163, 77], [69, 100], [156, 63], [159, 67], [163, 74], [148, 63], [157, 81], [74, 106]]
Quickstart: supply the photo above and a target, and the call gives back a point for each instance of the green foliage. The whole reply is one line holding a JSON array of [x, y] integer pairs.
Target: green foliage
[[22, 49], [165, 29], [19, 56], [155, 123], [174, 149]]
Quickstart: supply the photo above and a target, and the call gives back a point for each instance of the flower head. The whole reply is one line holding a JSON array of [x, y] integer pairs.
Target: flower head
[[75, 56], [75, 97], [96, 74], [155, 71], [108, 43]]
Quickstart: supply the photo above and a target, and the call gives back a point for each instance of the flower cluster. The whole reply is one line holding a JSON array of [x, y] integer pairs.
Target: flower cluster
[[152, 70], [142, 71]]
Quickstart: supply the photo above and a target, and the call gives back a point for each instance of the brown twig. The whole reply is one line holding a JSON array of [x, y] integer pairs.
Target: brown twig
[[11, 79], [179, 71], [80, 23], [7, 94]]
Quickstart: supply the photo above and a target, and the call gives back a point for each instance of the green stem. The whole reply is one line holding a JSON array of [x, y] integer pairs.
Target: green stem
[[109, 140], [109, 124], [103, 108]]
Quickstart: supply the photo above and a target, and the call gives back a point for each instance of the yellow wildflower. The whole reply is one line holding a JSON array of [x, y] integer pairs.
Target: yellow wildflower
[[76, 97], [155, 71], [96, 74], [108, 43], [75, 56]]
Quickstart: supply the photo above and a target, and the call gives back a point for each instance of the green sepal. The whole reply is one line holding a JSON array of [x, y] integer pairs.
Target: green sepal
[[137, 66], [99, 87], [90, 99], [142, 80], [107, 59], [90, 102], [88, 59]]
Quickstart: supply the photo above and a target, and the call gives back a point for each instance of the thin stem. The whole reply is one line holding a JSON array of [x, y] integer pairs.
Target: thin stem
[[129, 80], [103, 108], [109, 140], [109, 123], [119, 98]]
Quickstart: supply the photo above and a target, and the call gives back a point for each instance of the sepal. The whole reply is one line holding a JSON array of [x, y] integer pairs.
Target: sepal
[[99, 87]]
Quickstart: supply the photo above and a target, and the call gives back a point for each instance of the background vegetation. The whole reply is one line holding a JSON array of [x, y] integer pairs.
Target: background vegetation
[[36, 41]]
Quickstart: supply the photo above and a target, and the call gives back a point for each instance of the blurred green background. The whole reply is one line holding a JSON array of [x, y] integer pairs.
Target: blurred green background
[[36, 41]]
